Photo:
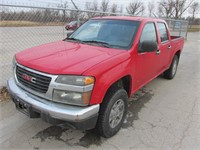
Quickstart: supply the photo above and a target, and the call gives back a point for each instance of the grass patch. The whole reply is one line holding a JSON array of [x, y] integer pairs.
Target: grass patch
[[4, 95], [195, 26], [28, 24], [193, 29]]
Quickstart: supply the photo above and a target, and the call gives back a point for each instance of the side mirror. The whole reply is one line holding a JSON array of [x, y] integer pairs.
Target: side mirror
[[148, 46], [69, 33]]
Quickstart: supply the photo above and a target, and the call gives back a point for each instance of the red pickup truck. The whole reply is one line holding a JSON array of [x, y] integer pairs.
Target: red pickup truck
[[86, 79]]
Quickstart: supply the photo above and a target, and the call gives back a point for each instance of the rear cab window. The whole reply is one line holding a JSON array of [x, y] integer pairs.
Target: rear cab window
[[163, 32]]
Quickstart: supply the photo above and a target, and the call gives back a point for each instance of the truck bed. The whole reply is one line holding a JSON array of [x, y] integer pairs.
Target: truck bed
[[177, 42]]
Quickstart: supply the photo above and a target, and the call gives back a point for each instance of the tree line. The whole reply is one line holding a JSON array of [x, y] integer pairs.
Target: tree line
[[163, 9]]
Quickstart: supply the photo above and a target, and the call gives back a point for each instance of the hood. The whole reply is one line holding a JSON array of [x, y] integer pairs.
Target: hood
[[64, 57]]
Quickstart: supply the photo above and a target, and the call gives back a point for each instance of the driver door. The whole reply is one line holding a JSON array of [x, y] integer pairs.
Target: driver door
[[147, 62]]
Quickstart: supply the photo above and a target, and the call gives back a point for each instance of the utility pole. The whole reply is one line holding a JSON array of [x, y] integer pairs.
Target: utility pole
[[74, 4], [78, 20]]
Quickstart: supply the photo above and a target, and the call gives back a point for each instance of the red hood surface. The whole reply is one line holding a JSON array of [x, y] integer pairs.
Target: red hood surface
[[64, 57]]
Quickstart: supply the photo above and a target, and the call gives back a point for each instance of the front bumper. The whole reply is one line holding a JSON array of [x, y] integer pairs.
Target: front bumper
[[75, 116]]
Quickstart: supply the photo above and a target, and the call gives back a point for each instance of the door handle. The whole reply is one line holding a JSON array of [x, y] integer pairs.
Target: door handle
[[169, 46], [158, 52]]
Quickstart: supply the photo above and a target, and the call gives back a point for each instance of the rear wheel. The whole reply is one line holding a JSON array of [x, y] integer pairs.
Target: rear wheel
[[171, 72], [112, 112]]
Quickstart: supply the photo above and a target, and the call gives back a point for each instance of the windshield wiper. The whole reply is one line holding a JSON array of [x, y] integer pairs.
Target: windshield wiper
[[102, 43], [74, 39]]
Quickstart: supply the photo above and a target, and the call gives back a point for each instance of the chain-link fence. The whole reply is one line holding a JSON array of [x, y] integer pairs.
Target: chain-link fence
[[178, 27], [23, 27]]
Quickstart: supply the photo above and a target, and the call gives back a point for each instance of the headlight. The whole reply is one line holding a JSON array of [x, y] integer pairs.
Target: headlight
[[71, 95], [74, 98], [75, 80]]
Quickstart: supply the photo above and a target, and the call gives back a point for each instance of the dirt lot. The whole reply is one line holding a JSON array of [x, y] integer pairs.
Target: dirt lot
[[163, 115]]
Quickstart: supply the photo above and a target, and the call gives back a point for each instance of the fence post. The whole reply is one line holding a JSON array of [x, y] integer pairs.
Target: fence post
[[180, 29], [187, 30], [78, 19]]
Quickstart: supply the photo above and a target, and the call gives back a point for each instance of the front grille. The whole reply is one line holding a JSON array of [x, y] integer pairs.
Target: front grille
[[34, 81]]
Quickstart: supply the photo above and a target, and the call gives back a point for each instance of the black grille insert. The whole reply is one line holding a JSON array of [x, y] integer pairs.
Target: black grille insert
[[34, 81]]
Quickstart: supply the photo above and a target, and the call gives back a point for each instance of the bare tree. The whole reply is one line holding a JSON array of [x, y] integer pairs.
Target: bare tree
[[114, 8], [151, 7], [78, 14], [91, 7], [142, 10], [165, 8], [173, 8], [121, 9], [88, 5], [73, 15], [135, 8], [104, 6], [95, 6], [64, 11], [180, 6], [194, 8], [64, 5]]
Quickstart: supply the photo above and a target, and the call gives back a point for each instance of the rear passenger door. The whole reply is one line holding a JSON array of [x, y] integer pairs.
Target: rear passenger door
[[164, 45], [148, 63]]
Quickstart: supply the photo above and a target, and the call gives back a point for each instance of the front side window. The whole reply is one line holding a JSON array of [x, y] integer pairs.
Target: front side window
[[148, 34], [163, 32], [115, 33]]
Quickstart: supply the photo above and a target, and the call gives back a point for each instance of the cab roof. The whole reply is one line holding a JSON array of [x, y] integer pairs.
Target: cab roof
[[129, 18]]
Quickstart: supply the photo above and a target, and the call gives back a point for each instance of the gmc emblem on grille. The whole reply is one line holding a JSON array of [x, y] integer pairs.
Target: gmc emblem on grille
[[29, 78]]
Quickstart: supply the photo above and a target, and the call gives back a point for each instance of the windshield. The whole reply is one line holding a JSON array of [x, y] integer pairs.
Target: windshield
[[115, 33]]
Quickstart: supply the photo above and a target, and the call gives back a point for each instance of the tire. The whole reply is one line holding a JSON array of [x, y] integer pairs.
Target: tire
[[112, 112], [171, 72]]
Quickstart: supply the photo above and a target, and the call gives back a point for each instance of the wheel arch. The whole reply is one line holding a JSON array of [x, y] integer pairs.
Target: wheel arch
[[125, 82], [178, 53]]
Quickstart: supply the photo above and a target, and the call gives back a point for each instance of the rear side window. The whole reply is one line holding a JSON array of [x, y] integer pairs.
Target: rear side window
[[148, 33], [163, 32]]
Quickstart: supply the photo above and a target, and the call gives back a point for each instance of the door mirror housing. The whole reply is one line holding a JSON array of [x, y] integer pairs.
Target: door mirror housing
[[148, 46]]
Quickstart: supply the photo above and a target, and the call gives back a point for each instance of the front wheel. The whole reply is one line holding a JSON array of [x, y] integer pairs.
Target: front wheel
[[171, 72], [112, 112]]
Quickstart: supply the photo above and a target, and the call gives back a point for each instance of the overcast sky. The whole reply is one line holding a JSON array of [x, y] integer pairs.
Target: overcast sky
[[79, 3]]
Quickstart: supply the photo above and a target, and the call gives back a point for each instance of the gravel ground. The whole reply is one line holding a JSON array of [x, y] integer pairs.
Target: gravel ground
[[163, 115]]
